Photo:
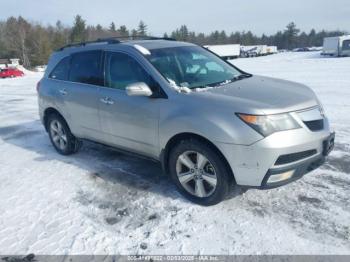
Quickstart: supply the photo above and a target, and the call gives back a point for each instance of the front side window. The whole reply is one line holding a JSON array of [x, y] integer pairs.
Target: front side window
[[346, 45], [61, 70], [192, 67], [86, 68], [122, 70]]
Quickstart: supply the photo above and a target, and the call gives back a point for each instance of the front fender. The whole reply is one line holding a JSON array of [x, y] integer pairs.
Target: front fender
[[216, 126]]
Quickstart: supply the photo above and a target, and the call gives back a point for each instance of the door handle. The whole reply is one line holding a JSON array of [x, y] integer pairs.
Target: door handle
[[104, 100], [107, 101], [63, 92]]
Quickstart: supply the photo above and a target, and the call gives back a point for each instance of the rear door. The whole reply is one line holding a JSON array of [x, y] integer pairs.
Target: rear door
[[129, 122], [78, 92], [85, 78]]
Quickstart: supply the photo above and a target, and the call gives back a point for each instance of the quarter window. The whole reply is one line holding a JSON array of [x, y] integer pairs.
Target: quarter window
[[122, 70], [86, 68], [61, 70]]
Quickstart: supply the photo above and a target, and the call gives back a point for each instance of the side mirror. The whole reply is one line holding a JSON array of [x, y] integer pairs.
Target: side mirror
[[138, 89]]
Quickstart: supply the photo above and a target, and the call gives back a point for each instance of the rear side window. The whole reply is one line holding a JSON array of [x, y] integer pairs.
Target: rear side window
[[86, 68], [122, 70], [61, 70]]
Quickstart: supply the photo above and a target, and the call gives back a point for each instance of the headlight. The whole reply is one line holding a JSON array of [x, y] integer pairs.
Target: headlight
[[269, 124], [321, 108]]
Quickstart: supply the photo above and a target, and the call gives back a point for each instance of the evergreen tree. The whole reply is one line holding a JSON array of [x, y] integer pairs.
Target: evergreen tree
[[142, 29], [183, 33], [79, 32], [99, 28], [222, 37], [59, 37], [312, 38], [291, 36], [123, 31], [134, 33], [112, 28]]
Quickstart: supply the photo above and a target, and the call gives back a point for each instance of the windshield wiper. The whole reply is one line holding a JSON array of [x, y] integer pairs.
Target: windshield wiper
[[225, 82], [236, 78], [240, 77]]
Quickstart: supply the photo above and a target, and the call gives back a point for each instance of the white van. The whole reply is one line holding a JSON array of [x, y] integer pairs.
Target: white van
[[336, 46]]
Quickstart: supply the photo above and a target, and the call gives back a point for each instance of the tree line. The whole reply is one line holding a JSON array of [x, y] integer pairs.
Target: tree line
[[33, 43], [289, 38]]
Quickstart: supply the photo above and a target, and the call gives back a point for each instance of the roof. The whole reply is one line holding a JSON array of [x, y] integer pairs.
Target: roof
[[343, 37], [110, 43], [156, 44]]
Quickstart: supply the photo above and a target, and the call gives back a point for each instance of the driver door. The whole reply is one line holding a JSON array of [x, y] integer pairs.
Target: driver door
[[128, 122]]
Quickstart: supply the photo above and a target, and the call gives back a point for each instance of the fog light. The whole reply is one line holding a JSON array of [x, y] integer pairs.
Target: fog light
[[280, 177]]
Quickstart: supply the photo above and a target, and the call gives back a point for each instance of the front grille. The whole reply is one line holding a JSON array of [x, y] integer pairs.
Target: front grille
[[290, 158], [315, 125]]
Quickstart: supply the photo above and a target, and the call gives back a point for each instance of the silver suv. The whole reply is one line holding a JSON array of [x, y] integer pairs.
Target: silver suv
[[210, 124]]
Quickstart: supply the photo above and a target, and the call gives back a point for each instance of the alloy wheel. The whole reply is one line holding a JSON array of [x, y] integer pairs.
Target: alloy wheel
[[196, 174], [58, 134]]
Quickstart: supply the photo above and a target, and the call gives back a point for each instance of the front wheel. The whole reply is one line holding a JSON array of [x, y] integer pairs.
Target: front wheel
[[199, 172], [61, 137]]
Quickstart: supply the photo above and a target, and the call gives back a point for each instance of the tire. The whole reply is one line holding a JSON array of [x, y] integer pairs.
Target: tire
[[61, 137], [201, 174]]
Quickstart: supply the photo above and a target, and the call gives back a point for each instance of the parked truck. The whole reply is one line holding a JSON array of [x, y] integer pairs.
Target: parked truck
[[254, 50], [225, 51], [336, 46]]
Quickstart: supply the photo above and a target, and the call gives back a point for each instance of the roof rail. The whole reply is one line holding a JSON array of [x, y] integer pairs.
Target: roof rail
[[100, 40], [129, 38], [115, 40]]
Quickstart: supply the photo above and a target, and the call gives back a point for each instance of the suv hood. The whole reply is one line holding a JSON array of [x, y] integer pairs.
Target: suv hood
[[263, 94]]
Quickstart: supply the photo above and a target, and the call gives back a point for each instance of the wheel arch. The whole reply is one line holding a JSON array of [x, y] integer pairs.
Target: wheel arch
[[165, 153], [49, 111]]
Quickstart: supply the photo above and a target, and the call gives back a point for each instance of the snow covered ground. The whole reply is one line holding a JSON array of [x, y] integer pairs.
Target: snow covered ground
[[100, 201]]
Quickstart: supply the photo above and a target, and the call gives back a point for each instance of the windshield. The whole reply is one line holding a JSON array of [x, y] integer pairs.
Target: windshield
[[192, 67]]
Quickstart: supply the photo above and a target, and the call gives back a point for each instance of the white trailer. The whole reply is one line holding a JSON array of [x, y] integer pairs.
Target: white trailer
[[225, 51], [336, 46]]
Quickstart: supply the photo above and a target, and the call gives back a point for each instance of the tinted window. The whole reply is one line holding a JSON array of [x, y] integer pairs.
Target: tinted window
[[61, 70], [346, 45], [86, 68], [122, 70]]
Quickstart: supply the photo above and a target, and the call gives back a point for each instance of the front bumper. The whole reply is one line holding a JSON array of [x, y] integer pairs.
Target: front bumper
[[297, 170], [258, 165]]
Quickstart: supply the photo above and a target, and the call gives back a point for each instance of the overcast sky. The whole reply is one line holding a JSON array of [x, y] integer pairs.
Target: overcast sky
[[259, 16]]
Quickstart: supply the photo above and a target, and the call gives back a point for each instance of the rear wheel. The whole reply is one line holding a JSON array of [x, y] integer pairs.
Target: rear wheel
[[61, 137], [199, 172]]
